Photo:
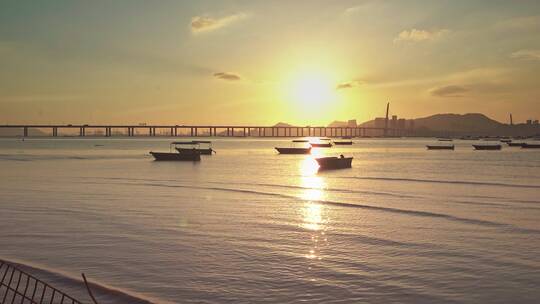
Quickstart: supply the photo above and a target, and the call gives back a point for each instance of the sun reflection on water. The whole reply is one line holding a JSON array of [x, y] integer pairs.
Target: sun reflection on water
[[313, 214]]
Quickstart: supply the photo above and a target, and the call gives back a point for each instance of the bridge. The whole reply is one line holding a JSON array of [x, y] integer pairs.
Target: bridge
[[83, 130]]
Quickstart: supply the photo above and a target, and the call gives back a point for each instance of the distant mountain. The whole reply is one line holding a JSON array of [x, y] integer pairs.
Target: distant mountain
[[471, 122], [282, 124], [465, 124], [338, 124]]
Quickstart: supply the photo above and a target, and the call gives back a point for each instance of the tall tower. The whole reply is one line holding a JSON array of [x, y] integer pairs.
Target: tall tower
[[386, 120]]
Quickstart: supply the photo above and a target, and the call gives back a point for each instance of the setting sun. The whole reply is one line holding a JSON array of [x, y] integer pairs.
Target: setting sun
[[313, 90]]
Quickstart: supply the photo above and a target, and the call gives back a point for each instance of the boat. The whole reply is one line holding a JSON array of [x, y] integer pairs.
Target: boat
[[194, 145], [329, 163], [321, 145], [176, 156], [294, 150], [514, 144], [444, 139], [468, 138], [505, 140], [440, 147], [347, 142], [186, 155], [530, 146], [487, 147]]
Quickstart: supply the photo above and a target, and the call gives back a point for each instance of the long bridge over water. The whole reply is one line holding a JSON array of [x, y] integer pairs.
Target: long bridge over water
[[83, 130]]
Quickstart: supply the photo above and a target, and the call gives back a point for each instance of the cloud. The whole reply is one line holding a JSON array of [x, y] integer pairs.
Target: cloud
[[519, 23], [526, 54], [206, 24], [415, 35], [347, 85], [449, 91], [227, 76]]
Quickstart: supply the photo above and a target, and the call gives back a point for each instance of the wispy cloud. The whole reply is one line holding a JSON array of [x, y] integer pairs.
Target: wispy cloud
[[205, 23], [526, 54], [227, 76], [347, 85], [415, 35], [449, 91], [519, 23]]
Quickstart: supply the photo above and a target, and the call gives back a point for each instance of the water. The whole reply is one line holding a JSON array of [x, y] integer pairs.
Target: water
[[404, 225]]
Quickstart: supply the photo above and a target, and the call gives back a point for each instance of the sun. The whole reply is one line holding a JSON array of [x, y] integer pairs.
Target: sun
[[312, 90]]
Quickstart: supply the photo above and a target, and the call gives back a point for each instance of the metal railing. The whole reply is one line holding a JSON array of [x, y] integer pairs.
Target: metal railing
[[19, 287]]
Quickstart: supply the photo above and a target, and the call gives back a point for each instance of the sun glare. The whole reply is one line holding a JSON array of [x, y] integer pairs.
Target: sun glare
[[313, 91]]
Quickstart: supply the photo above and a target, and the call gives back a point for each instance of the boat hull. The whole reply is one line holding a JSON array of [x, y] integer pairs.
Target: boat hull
[[332, 163], [530, 146], [321, 145], [168, 156], [487, 147], [513, 144], [293, 150], [440, 147], [207, 151]]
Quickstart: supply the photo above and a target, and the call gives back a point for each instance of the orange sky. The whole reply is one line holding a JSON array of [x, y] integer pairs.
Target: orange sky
[[260, 62]]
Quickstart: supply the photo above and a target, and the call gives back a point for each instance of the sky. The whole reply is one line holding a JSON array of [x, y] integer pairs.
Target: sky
[[263, 62]]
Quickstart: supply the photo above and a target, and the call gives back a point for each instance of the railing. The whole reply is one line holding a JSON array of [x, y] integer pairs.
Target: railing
[[19, 287]]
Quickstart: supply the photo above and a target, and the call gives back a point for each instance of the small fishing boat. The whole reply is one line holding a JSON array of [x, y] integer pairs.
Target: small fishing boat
[[186, 155], [194, 145], [321, 145], [468, 138], [440, 147], [514, 144], [506, 140], [329, 163], [487, 147], [347, 142], [294, 150], [530, 146], [176, 156], [445, 139]]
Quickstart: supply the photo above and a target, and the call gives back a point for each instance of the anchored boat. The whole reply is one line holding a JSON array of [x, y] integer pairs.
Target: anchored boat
[[194, 145], [487, 147], [185, 155], [330, 163], [295, 150], [530, 146], [515, 144], [175, 156], [341, 143], [440, 147], [322, 143]]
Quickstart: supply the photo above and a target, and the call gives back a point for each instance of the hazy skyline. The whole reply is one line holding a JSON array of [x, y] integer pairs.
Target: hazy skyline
[[260, 62]]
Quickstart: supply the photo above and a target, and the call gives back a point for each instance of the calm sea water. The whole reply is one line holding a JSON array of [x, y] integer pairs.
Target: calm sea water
[[404, 225]]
